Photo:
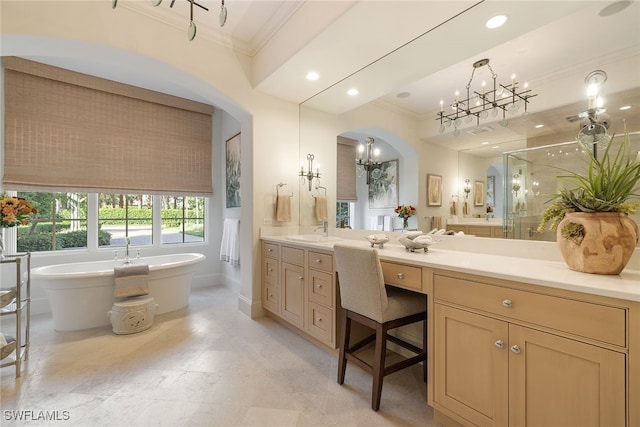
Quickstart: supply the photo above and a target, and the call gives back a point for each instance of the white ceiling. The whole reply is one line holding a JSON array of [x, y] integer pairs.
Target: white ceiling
[[423, 47]]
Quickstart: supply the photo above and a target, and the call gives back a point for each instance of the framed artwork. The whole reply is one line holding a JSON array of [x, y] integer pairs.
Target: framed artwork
[[233, 171], [383, 186], [478, 193], [434, 190], [491, 191]]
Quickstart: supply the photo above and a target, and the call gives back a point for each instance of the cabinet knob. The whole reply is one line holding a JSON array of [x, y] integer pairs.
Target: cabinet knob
[[269, 250], [270, 269], [400, 275], [515, 349], [499, 344], [318, 260], [319, 319], [300, 277], [319, 286], [507, 303]]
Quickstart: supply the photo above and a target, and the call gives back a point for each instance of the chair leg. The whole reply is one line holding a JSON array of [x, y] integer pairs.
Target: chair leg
[[378, 365], [424, 348], [345, 333]]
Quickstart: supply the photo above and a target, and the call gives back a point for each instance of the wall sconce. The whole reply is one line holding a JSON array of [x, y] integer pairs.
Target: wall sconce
[[467, 188], [516, 184], [535, 188], [368, 164], [309, 174]]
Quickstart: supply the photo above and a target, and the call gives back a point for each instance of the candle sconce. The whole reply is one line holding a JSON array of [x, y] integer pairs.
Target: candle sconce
[[309, 174], [515, 186], [467, 188]]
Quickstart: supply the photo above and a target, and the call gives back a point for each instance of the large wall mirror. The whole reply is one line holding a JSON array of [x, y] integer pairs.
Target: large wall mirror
[[400, 95]]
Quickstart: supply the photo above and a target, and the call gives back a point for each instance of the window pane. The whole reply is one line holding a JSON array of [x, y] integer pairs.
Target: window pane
[[125, 215], [61, 222], [182, 219]]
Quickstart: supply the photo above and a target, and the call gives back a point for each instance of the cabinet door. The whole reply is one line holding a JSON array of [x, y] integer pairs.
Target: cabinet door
[[471, 365], [562, 382], [292, 293]]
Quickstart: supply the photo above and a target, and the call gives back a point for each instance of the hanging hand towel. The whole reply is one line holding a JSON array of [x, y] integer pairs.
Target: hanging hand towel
[[283, 208], [131, 280], [230, 245], [321, 208]]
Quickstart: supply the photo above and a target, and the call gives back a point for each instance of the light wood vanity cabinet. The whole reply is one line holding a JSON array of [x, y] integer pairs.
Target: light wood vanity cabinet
[[510, 357], [477, 230], [302, 292]]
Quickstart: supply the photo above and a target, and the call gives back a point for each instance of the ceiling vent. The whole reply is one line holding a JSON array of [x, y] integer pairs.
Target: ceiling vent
[[479, 130]]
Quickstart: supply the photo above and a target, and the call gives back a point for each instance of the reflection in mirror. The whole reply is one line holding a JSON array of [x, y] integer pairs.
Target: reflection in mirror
[[555, 69]]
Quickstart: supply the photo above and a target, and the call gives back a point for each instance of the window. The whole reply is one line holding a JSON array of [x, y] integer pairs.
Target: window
[[344, 214], [61, 222], [125, 215], [182, 219]]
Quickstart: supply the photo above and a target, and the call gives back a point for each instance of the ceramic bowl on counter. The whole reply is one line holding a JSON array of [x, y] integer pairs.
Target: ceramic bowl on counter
[[377, 239], [417, 242]]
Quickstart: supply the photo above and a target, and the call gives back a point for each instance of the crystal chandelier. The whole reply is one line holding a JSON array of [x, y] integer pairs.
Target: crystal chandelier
[[368, 164], [479, 103]]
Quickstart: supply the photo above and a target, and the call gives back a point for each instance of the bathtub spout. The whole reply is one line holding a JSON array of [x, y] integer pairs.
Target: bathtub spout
[[127, 260]]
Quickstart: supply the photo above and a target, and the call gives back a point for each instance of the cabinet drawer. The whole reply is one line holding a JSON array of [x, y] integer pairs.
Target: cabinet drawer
[[401, 275], [321, 287], [292, 255], [321, 323], [320, 261], [271, 297], [591, 320], [479, 231], [270, 250], [270, 270]]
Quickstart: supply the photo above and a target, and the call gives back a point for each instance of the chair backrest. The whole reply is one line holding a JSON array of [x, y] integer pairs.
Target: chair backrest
[[361, 281]]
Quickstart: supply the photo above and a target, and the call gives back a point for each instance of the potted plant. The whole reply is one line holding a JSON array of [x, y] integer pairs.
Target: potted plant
[[594, 232]]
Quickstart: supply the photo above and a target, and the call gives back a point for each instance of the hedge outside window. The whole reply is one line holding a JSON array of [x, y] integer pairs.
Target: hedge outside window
[[61, 222], [126, 215], [182, 219]]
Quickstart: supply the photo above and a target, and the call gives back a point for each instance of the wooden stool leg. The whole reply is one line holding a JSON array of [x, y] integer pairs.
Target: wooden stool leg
[[345, 333], [378, 365], [424, 348]]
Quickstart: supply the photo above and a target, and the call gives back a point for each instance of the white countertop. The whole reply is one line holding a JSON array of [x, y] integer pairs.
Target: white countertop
[[544, 272]]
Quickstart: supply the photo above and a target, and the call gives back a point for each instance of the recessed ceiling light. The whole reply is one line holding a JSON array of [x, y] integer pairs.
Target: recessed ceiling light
[[312, 75], [496, 146], [485, 143], [625, 107], [496, 21], [353, 92], [402, 95], [614, 8], [539, 126]]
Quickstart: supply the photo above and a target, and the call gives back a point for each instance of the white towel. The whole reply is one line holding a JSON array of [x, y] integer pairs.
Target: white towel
[[283, 208], [321, 208], [131, 280], [230, 245]]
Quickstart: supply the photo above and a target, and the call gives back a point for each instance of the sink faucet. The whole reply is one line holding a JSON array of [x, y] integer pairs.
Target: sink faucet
[[325, 228]]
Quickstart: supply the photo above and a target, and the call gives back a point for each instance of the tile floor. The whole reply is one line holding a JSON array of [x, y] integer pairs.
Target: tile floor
[[206, 365]]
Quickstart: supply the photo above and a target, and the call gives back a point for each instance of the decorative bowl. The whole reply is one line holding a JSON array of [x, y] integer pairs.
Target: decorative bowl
[[422, 241], [377, 239]]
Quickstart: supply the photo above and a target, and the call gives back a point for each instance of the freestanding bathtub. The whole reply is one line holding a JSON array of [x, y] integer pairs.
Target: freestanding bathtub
[[81, 294]]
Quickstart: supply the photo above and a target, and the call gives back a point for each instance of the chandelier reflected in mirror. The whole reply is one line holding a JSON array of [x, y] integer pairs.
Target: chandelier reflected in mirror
[[505, 99], [368, 164]]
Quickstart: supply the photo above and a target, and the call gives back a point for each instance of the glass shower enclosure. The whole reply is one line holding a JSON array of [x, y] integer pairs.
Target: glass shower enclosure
[[531, 178]]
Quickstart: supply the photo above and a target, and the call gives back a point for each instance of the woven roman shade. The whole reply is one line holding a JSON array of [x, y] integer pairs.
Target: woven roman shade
[[67, 131], [346, 169]]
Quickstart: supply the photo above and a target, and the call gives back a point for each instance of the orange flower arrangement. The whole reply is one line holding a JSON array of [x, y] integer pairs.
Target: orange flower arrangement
[[404, 212], [15, 211]]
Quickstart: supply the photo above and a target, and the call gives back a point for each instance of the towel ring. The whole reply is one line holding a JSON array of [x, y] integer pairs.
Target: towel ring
[[282, 184], [324, 188]]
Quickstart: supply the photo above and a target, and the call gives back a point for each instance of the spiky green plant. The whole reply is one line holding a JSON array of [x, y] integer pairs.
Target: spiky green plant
[[608, 185]]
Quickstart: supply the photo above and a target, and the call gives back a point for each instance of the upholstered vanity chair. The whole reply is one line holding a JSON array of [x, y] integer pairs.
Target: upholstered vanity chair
[[366, 300]]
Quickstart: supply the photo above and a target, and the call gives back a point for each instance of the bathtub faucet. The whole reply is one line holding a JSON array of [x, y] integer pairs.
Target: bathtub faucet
[[127, 260]]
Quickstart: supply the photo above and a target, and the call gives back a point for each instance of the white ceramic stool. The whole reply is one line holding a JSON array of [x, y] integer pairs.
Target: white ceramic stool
[[132, 315]]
